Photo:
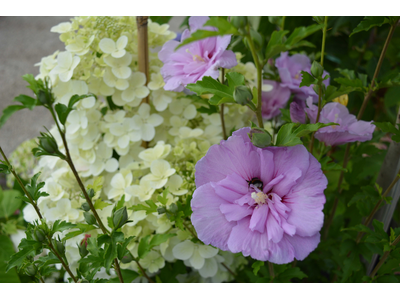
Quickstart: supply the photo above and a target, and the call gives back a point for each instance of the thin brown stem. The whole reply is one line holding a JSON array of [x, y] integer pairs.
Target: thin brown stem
[[384, 257], [41, 279], [118, 270], [143, 271], [21, 184], [188, 229], [221, 112], [66, 267], [229, 270]]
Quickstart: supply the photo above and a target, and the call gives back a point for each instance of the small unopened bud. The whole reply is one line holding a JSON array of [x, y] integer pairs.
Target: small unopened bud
[[127, 258], [161, 210], [242, 95], [48, 143], [120, 217], [83, 250], [91, 193], [59, 247], [31, 270], [85, 206], [89, 218], [260, 137], [239, 21], [316, 69], [44, 97], [39, 235]]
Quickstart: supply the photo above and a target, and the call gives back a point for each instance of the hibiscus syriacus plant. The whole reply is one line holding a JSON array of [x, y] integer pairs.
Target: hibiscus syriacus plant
[[242, 149]]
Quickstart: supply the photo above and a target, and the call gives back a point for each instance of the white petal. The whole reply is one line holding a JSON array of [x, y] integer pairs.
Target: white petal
[[64, 59], [183, 250], [209, 269], [111, 165], [122, 42], [148, 132], [119, 53], [122, 72], [155, 120], [123, 141], [190, 112], [207, 251], [142, 92], [107, 45], [118, 181], [122, 84], [197, 261], [64, 77], [144, 110]]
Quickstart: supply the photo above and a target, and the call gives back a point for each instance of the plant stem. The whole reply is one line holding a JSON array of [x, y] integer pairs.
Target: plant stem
[[259, 77], [22, 185], [221, 112], [384, 257], [83, 189], [229, 270], [62, 261], [320, 85], [271, 270], [283, 23], [41, 279], [143, 271], [359, 116]]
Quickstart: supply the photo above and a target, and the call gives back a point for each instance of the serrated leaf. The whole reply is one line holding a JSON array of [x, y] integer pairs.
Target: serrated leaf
[[256, 266], [111, 254], [143, 247], [8, 112], [327, 164], [370, 22], [62, 112], [275, 44], [234, 79], [160, 238], [307, 79], [301, 33], [27, 101], [10, 201], [288, 137], [208, 85], [18, 258], [75, 98], [289, 274], [62, 225], [99, 204], [357, 83], [6, 251]]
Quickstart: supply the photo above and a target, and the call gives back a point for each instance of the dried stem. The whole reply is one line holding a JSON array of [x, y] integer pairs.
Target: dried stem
[[359, 116]]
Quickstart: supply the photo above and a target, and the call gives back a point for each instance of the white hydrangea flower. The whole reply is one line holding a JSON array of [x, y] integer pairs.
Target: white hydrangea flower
[[120, 66], [136, 217], [62, 211], [66, 63], [62, 27], [143, 191], [116, 49], [174, 183], [47, 64], [136, 91], [65, 90], [54, 189], [212, 133], [159, 151], [119, 183], [152, 262], [194, 255], [156, 82], [29, 212], [80, 45], [144, 123], [190, 112], [112, 81], [166, 248], [160, 99], [160, 171], [186, 132], [99, 87]]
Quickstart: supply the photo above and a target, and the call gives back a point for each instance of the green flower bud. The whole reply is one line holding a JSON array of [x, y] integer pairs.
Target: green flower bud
[[31, 270], [59, 247], [242, 95], [89, 218], [260, 137], [316, 69], [45, 97], [39, 235], [239, 21], [127, 258], [48, 143], [161, 210], [83, 249], [85, 206], [91, 193], [120, 217]]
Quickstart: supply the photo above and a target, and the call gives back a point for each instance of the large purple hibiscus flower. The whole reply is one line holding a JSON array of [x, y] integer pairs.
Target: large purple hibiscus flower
[[195, 60], [266, 203]]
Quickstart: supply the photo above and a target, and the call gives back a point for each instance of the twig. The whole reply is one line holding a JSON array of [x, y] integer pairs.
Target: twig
[[271, 269], [143, 271], [221, 113], [384, 257]]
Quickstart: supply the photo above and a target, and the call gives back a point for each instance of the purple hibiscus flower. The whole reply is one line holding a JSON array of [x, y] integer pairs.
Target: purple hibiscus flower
[[290, 67], [266, 203], [195, 60], [349, 129], [274, 100]]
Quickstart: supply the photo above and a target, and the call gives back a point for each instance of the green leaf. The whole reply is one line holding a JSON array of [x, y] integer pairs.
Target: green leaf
[[76, 98], [128, 276], [370, 22], [111, 254], [256, 266], [332, 92], [289, 274], [99, 204], [234, 79], [9, 202], [34, 84], [160, 238], [27, 101], [149, 209], [209, 85], [223, 28], [389, 127], [163, 198], [307, 79], [350, 82], [301, 33], [275, 44], [61, 226], [143, 247], [8, 112], [82, 229], [327, 164], [62, 112], [18, 258], [287, 137], [6, 251], [160, 19]]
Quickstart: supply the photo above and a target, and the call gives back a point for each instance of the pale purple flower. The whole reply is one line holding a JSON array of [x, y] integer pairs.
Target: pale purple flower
[[195, 60], [274, 100], [349, 129], [266, 203], [297, 111], [290, 67]]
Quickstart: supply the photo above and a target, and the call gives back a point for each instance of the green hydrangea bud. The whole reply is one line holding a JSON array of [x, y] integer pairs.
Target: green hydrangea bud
[[89, 218], [239, 21], [120, 217], [31, 270], [85, 206], [39, 235], [260, 137], [242, 95], [316, 69]]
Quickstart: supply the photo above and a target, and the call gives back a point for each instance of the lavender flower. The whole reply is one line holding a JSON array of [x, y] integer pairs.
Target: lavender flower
[[349, 130], [274, 100], [266, 203], [290, 67], [195, 60]]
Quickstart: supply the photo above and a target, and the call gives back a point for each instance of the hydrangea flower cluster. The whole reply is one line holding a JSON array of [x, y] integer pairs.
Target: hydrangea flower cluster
[[105, 135]]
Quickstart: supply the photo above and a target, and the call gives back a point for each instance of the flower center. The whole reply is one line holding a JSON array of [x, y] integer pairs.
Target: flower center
[[259, 198], [195, 56]]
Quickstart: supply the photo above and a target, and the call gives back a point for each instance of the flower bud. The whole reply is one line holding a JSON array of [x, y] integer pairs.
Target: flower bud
[[91, 193], [316, 69], [83, 250], [127, 258], [161, 210], [31, 270], [85, 206], [260, 137], [39, 235], [45, 97], [120, 217], [48, 143], [242, 95], [89, 218], [239, 21], [59, 247]]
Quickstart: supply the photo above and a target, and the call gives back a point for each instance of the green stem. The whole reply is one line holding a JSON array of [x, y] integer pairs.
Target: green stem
[[259, 77], [359, 116], [320, 84], [66, 267], [143, 271], [283, 23], [271, 270], [221, 113]]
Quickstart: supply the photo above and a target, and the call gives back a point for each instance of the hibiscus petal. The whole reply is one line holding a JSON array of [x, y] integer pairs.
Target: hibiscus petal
[[235, 212], [260, 215]]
